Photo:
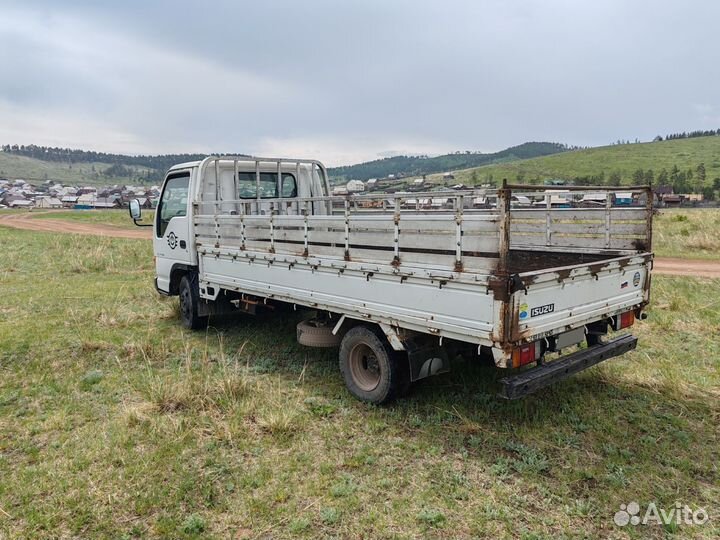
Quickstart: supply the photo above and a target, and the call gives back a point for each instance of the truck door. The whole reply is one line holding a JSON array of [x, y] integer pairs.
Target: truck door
[[171, 240]]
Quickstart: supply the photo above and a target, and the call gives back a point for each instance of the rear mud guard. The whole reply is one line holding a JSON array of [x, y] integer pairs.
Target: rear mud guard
[[527, 382]]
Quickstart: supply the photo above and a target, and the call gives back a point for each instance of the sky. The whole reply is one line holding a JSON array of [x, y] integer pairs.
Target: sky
[[347, 81]]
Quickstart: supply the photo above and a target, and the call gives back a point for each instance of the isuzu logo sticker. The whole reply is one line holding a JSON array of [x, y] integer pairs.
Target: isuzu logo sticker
[[172, 240], [542, 310], [526, 312]]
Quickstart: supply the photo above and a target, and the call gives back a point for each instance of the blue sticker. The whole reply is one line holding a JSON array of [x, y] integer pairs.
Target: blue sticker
[[523, 311], [636, 279]]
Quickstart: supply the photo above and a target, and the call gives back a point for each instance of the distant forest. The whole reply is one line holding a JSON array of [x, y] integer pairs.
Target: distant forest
[[689, 134], [417, 165], [120, 165]]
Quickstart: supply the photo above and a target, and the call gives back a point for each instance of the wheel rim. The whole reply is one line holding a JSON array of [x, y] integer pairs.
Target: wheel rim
[[364, 367], [185, 304]]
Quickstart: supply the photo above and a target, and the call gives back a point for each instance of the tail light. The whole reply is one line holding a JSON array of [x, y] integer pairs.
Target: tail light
[[524, 354], [623, 320]]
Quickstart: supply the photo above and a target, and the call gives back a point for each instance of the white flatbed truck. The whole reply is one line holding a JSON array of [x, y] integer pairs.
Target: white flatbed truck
[[404, 279]]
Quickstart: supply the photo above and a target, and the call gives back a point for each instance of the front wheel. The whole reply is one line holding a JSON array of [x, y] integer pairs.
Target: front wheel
[[370, 367], [189, 300]]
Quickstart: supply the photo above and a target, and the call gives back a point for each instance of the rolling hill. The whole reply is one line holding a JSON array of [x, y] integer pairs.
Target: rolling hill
[[609, 164], [416, 165], [676, 162], [88, 173], [39, 163]]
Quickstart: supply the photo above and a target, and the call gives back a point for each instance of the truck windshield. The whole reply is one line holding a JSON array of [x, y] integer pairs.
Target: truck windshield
[[173, 202]]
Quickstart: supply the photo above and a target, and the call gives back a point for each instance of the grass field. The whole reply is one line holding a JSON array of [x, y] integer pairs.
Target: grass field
[[624, 159], [116, 423], [691, 234], [117, 218]]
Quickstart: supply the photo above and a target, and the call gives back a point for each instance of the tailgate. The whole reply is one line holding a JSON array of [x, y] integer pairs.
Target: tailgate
[[559, 299]]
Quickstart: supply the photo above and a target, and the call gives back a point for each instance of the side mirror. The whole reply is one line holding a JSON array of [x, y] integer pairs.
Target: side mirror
[[135, 210]]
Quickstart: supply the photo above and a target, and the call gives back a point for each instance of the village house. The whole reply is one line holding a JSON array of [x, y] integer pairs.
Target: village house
[[48, 202], [18, 193], [68, 201], [106, 202], [86, 200], [145, 202], [20, 203]]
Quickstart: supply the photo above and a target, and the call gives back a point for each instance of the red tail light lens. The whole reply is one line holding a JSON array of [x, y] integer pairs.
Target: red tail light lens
[[624, 320], [525, 354]]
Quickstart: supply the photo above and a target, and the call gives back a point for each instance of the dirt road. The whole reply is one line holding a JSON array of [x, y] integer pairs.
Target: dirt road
[[27, 221], [686, 267], [663, 265]]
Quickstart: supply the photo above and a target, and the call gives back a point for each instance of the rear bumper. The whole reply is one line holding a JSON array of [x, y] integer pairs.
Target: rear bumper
[[527, 382]]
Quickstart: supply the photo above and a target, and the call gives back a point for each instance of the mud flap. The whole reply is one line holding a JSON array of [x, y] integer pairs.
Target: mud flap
[[531, 380], [426, 360]]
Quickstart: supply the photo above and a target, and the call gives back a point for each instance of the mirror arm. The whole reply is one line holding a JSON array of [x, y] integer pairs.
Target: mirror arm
[[135, 221], [139, 214]]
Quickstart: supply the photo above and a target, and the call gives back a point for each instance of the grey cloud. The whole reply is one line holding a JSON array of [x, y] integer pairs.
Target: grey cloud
[[354, 79]]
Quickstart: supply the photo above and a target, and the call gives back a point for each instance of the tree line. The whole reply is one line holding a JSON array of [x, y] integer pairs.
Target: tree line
[[689, 134], [120, 165], [691, 180], [418, 165]]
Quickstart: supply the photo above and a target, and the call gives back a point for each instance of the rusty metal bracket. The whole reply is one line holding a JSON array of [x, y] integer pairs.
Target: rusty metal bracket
[[515, 283]]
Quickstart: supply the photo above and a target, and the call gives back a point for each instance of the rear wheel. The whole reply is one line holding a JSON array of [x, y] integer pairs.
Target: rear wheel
[[189, 300], [370, 367]]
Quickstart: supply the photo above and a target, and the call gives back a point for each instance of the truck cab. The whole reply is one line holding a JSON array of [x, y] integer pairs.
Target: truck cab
[[253, 182]]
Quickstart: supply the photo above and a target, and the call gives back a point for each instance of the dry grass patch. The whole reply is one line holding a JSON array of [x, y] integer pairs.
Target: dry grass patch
[[687, 233]]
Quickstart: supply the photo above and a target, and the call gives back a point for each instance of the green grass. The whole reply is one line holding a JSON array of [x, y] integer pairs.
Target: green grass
[[624, 159], [117, 423], [690, 234], [117, 218], [37, 171]]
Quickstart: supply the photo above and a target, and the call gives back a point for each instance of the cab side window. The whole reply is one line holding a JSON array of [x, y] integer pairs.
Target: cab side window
[[248, 186], [173, 202], [289, 186]]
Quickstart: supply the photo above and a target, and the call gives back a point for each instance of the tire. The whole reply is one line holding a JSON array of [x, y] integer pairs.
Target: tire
[[370, 367], [315, 333], [189, 299]]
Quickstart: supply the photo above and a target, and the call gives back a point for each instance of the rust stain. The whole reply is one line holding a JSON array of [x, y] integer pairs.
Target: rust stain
[[499, 286], [640, 245]]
